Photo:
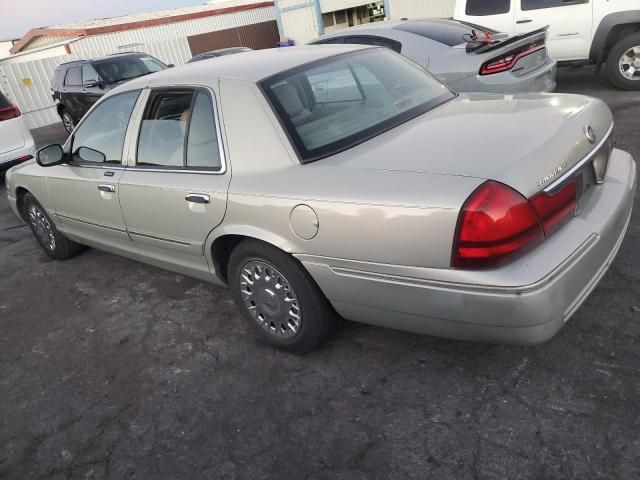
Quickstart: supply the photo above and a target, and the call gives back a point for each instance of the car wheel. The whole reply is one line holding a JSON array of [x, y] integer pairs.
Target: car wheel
[[278, 298], [68, 121], [55, 244], [623, 63]]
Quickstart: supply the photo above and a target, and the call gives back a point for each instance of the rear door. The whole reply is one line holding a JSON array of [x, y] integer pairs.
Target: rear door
[[570, 24], [174, 191], [495, 14], [10, 131]]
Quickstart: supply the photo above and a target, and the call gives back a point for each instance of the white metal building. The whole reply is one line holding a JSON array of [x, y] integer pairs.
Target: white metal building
[[172, 36]]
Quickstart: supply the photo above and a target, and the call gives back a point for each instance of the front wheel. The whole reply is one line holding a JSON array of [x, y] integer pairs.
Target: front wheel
[[54, 244], [623, 63], [278, 298]]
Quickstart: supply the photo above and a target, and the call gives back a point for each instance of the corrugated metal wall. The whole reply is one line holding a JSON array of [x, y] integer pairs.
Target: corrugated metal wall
[[256, 36], [299, 24], [420, 8], [333, 5], [26, 79]]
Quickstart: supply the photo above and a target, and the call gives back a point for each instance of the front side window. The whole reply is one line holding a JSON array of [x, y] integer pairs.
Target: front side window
[[89, 75], [336, 103], [539, 4], [100, 136], [179, 132], [487, 7], [74, 77]]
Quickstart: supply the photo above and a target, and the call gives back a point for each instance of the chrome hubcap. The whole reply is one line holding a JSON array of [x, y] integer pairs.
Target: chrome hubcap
[[42, 227], [629, 63], [67, 121], [270, 300]]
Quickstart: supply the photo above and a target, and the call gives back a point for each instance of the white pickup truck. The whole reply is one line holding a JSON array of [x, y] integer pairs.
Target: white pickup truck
[[580, 31]]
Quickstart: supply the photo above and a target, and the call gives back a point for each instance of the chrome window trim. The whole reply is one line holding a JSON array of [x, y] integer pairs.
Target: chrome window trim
[[132, 147], [554, 186]]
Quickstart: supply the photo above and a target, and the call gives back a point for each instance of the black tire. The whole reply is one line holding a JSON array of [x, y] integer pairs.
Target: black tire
[[317, 319], [56, 245], [614, 73], [68, 121]]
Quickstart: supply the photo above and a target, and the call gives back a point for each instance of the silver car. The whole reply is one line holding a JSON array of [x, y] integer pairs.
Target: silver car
[[344, 180], [465, 57]]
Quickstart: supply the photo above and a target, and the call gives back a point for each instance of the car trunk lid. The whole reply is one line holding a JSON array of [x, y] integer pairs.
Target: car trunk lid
[[526, 141]]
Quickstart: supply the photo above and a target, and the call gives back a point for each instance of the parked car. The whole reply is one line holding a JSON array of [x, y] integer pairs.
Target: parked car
[[77, 85], [219, 53], [448, 50], [16, 142], [580, 31], [361, 185]]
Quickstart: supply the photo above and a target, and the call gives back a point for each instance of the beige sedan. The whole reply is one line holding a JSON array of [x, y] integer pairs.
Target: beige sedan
[[336, 180]]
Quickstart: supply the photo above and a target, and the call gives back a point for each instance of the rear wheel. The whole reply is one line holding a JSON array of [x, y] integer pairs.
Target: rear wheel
[[623, 63], [278, 298], [54, 244], [68, 121]]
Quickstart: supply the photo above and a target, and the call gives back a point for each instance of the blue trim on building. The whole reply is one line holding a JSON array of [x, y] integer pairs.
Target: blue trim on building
[[316, 7], [387, 9]]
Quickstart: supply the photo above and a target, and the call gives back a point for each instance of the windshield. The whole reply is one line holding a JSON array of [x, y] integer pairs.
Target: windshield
[[334, 104], [118, 69]]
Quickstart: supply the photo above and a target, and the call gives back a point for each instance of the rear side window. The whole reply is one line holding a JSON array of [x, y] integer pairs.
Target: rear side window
[[447, 32], [74, 77], [538, 4], [487, 7], [179, 131], [374, 40]]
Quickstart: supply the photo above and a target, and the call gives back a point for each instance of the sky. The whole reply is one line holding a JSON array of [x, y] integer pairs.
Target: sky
[[17, 17]]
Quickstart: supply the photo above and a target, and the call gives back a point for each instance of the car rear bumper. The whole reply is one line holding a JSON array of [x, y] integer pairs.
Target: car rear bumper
[[504, 305], [9, 159], [542, 79]]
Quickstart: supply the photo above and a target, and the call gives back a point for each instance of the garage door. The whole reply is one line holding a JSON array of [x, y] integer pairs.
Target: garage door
[[256, 36]]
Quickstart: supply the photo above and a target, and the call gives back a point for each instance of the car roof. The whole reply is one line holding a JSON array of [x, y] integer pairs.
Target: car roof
[[251, 66], [106, 57]]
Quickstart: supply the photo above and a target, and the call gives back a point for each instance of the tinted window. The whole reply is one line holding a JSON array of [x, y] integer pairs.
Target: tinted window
[[336, 103], [202, 143], [89, 75], [372, 40], [329, 41], [537, 4], [73, 77], [3, 101], [118, 69], [104, 129], [487, 7], [447, 32]]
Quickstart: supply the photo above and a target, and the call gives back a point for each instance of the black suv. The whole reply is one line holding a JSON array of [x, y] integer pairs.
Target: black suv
[[77, 85]]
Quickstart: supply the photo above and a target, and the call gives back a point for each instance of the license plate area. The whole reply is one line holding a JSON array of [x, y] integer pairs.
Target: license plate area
[[585, 182]]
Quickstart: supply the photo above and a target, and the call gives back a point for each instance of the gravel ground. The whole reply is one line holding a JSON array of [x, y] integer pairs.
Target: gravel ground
[[113, 369]]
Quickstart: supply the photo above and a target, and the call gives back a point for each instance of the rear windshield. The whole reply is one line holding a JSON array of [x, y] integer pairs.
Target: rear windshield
[[3, 101], [336, 103], [447, 32], [118, 69]]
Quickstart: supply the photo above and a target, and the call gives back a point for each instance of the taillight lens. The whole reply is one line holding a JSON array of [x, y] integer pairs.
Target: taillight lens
[[7, 113], [508, 60], [495, 223], [555, 210]]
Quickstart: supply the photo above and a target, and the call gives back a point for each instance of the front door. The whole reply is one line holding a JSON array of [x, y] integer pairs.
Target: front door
[[175, 191], [85, 190], [569, 25]]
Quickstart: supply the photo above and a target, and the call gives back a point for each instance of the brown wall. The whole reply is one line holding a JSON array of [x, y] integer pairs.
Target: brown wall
[[256, 36]]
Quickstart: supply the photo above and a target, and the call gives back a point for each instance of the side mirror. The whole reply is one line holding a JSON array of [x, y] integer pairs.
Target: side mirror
[[86, 154], [171, 65], [50, 155], [92, 84]]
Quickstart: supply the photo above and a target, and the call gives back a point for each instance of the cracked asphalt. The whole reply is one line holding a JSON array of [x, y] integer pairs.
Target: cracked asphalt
[[111, 369]]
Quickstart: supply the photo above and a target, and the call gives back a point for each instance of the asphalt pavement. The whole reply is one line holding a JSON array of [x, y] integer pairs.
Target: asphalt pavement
[[111, 369]]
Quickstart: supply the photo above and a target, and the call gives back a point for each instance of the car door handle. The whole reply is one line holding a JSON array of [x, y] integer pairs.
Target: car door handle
[[107, 188], [526, 20], [197, 198]]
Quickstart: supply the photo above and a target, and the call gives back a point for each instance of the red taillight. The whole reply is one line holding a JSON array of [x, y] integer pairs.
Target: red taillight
[[508, 60], [554, 210], [495, 222], [7, 113]]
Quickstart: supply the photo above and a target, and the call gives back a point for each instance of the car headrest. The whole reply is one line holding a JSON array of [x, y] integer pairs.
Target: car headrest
[[289, 99]]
